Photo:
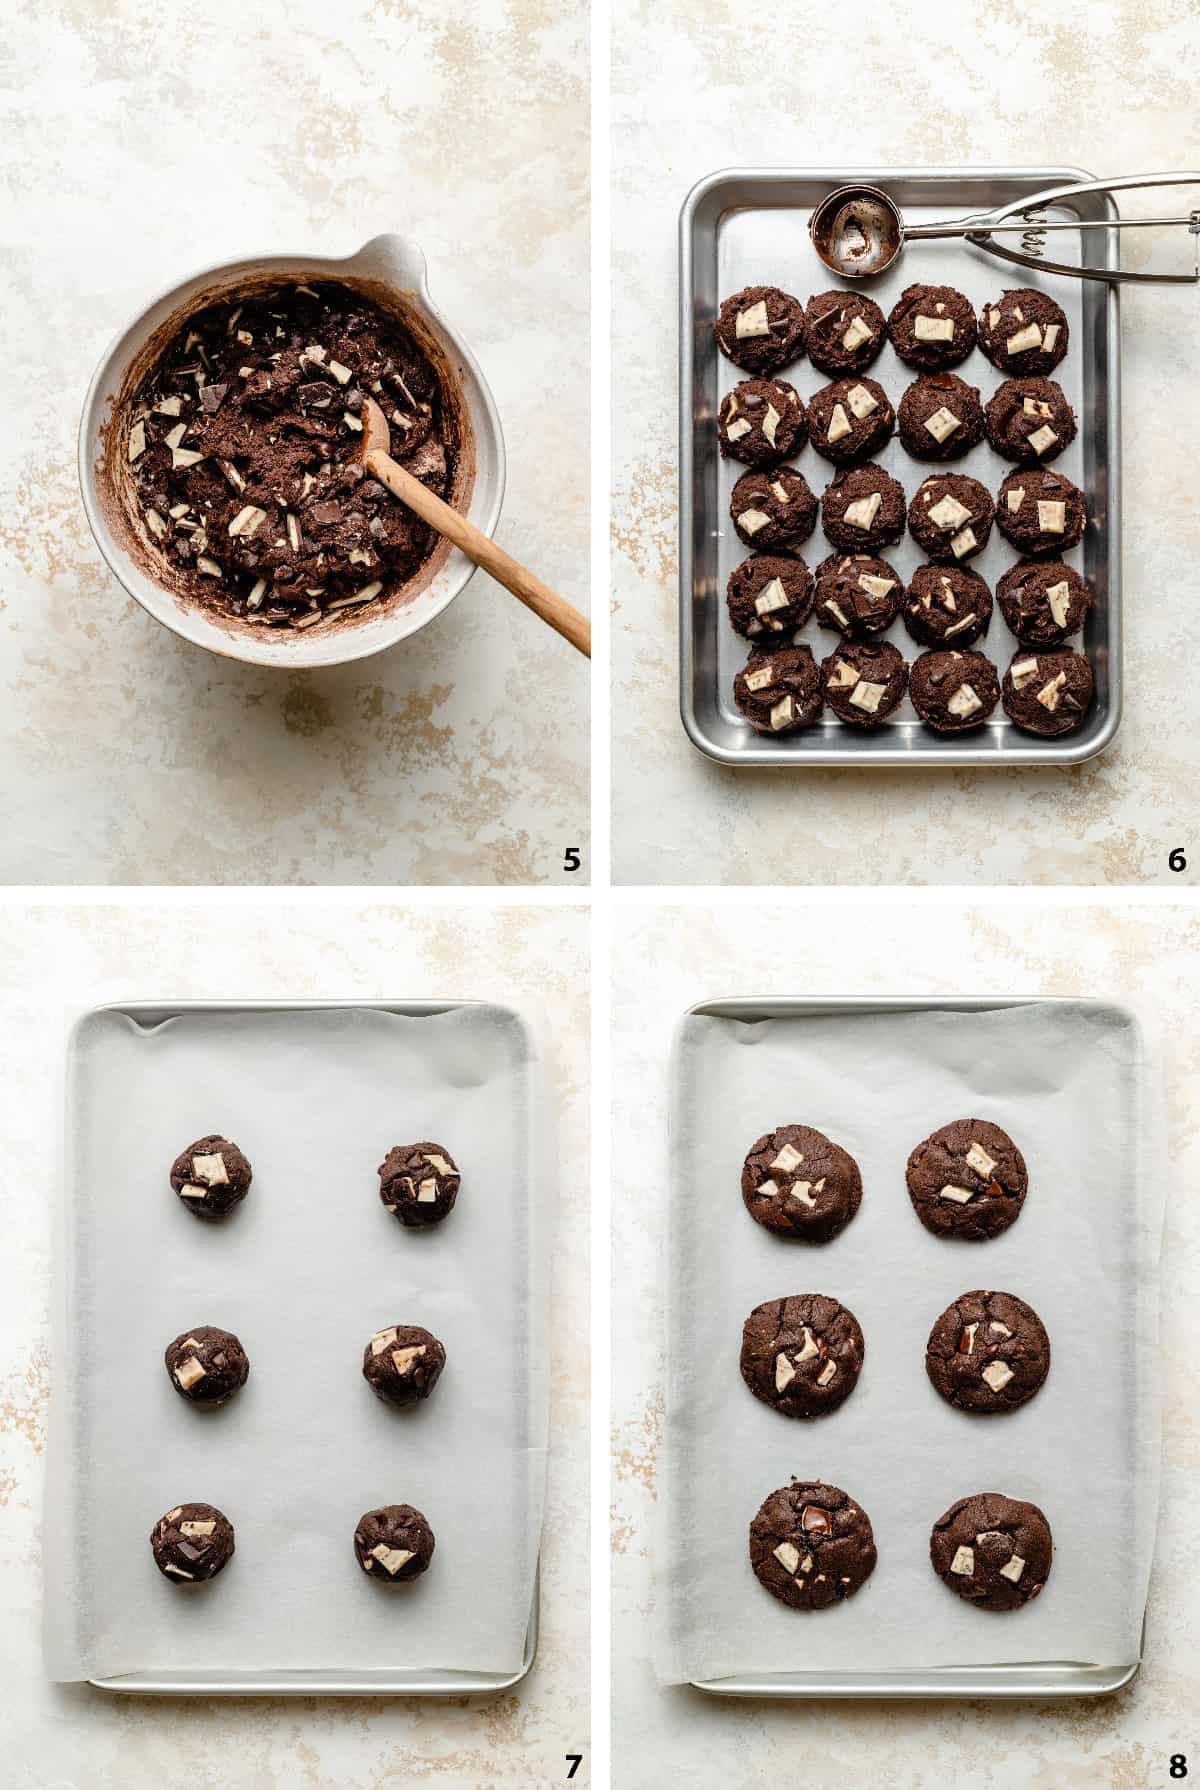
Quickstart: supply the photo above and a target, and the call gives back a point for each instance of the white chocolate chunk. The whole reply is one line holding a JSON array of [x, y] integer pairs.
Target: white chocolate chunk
[[441, 1165], [1037, 407], [963, 542], [810, 1348], [193, 1193], [969, 1333], [771, 422], [174, 437], [826, 1374], [402, 1359], [188, 1372], [949, 513], [787, 1556], [247, 520], [960, 1195], [781, 714], [209, 567], [856, 335], [785, 1373], [753, 321], [760, 679], [772, 596], [788, 1159], [293, 530], [968, 621], [1052, 517], [875, 587], [993, 318], [1029, 337], [867, 696], [1059, 598], [836, 611], [197, 1527], [1050, 337], [257, 594], [963, 1562], [1048, 695], [949, 600], [980, 1161], [861, 401], [768, 1190], [844, 676], [427, 1192], [183, 457], [839, 424], [862, 513], [1016, 497], [779, 489], [1002, 1328], [341, 374], [169, 406], [1023, 672], [933, 329], [735, 430], [1012, 1569], [964, 702], [382, 1340], [155, 523], [942, 424], [800, 1191], [806, 1565], [997, 1374], [391, 1559], [752, 520], [137, 440], [177, 1571], [211, 1170], [1042, 439]]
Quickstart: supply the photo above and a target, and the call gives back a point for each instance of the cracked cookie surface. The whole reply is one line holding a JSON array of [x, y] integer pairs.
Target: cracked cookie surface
[[811, 1545], [967, 1179], [988, 1352], [992, 1550], [802, 1355], [798, 1182]]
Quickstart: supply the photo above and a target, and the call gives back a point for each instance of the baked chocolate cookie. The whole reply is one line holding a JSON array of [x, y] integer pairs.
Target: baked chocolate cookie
[[857, 595], [991, 1550], [811, 1545], [932, 327], [1043, 601], [863, 510], [968, 1179], [403, 1364], [1041, 513], [1030, 421], [864, 681], [418, 1183], [211, 1177], [988, 1352], [1048, 693], [193, 1542], [761, 422], [940, 417], [760, 328], [850, 420], [206, 1365], [393, 1544], [769, 596], [845, 331], [947, 605], [797, 1182], [950, 517], [953, 692], [773, 512], [779, 691], [802, 1355], [1024, 332]]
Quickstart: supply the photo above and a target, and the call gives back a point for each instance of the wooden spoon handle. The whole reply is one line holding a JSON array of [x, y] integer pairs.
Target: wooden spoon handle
[[523, 584]]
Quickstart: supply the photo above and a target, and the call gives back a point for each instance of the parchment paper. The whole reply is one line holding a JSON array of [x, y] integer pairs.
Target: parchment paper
[[1068, 1081], [304, 1271]]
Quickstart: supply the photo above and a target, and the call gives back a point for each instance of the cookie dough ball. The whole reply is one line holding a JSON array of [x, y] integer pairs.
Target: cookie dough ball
[[932, 327], [1044, 602], [795, 1181], [802, 1355], [1048, 693], [779, 692], [992, 1550], [811, 1546], [850, 420], [1024, 332], [941, 417], [191, 1543], [845, 331], [393, 1544], [761, 328], [953, 692], [403, 1364], [206, 1365], [863, 509], [418, 1183], [1030, 421], [947, 606], [864, 681], [857, 595], [1041, 513], [988, 1352], [769, 597], [950, 517], [773, 511], [968, 1179], [761, 422], [211, 1177]]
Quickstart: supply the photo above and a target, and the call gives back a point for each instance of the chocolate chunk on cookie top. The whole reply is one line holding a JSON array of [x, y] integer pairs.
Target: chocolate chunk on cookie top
[[779, 692], [950, 517], [393, 1544], [993, 1551], [864, 681], [760, 328], [799, 1183], [1041, 513], [769, 596], [968, 1179], [403, 1363], [1024, 331], [802, 1355], [947, 606], [761, 422], [811, 1545], [418, 1183], [857, 595], [1030, 420], [773, 511], [1044, 602], [850, 420], [211, 1177], [845, 331], [206, 1365], [953, 692], [940, 417], [193, 1542], [932, 327], [863, 510], [1048, 694], [988, 1352]]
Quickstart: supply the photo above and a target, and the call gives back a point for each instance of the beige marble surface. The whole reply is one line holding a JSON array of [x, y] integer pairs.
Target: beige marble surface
[[1012, 83], [664, 961], [53, 960], [142, 142]]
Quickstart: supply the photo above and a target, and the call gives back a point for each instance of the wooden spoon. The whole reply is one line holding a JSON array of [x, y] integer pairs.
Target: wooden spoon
[[524, 585]]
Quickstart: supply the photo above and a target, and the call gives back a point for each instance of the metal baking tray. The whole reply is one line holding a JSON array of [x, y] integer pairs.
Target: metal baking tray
[[750, 226], [385, 1682], [1041, 1679]]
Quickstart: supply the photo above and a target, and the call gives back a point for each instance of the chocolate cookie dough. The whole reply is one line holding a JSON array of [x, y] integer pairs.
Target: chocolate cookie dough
[[941, 417], [206, 1365], [191, 1543], [1041, 513], [1048, 693], [993, 1551], [950, 517], [393, 1544], [760, 328], [795, 1181], [987, 1352], [1024, 332], [773, 511], [857, 595], [864, 682], [418, 1183], [802, 1355], [947, 606], [811, 1545], [953, 692], [1044, 602], [403, 1364], [932, 327], [769, 596], [863, 509], [244, 454], [761, 422], [211, 1177], [1030, 421], [968, 1179], [845, 331], [850, 420], [779, 691]]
